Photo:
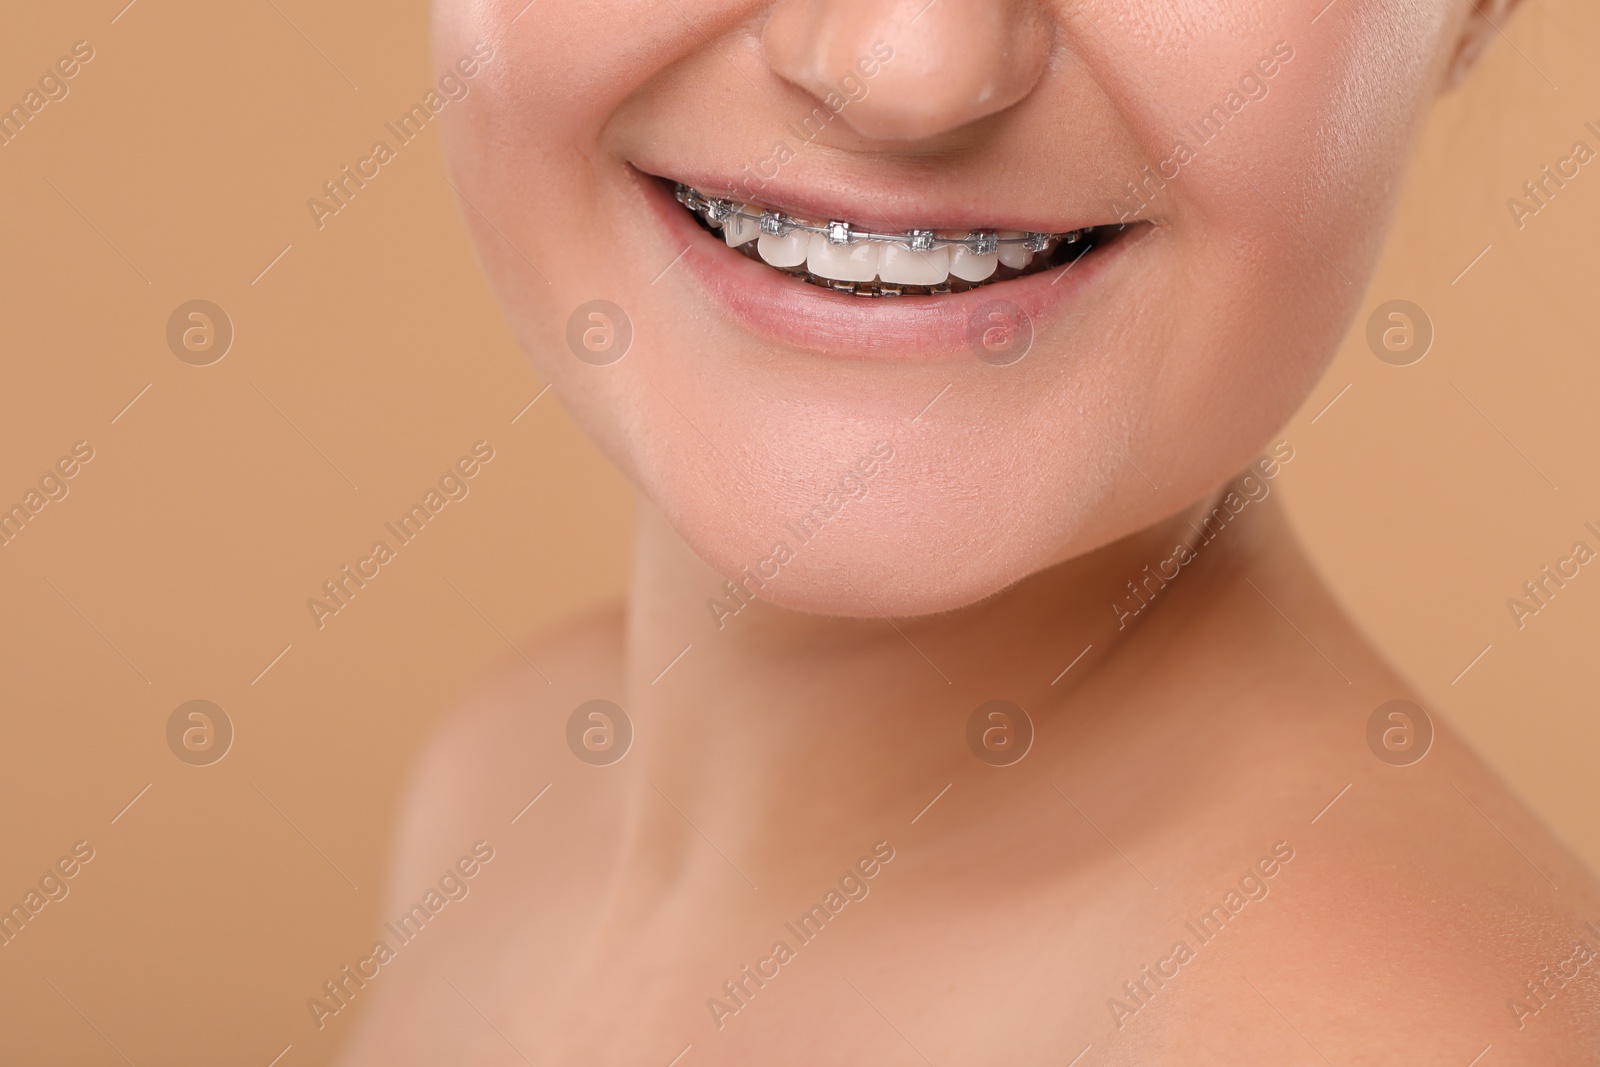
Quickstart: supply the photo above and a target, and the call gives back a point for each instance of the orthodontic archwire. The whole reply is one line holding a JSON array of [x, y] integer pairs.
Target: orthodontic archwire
[[773, 223]]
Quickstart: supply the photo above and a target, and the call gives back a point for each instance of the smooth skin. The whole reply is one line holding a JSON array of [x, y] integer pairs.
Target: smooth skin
[[1220, 730]]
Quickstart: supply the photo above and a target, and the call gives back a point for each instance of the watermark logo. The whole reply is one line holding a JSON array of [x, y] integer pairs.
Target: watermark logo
[[852, 887], [52, 88], [52, 888], [52, 486], [199, 733], [453, 885], [199, 333], [1000, 733], [852, 88], [1140, 991], [1140, 193], [1540, 191], [1544, 987], [453, 486], [1251, 488], [454, 84], [599, 333], [599, 732], [1399, 732], [1538, 591], [999, 333], [852, 485], [1399, 333]]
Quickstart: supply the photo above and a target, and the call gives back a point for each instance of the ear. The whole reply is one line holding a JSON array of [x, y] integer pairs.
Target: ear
[[1484, 21]]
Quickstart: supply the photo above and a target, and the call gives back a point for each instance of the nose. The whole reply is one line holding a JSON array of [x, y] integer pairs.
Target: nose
[[898, 70]]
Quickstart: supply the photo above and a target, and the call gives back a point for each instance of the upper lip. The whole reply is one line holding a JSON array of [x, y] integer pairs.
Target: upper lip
[[824, 194]]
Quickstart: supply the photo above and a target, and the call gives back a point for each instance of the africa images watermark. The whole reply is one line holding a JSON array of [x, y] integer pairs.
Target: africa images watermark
[[339, 991], [851, 88], [1152, 582], [1543, 987], [1537, 592], [852, 886], [852, 486], [453, 484], [1141, 192], [1540, 191], [1252, 886], [454, 84], [52, 88], [53, 888], [52, 487]]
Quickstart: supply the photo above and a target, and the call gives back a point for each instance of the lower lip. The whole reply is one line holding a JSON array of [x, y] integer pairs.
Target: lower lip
[[800, 315]]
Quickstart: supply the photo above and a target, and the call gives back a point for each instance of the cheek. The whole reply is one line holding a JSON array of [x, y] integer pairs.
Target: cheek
[[1277, 220], [1319, 152], [564, 68], [1344, 112], [539, 195]]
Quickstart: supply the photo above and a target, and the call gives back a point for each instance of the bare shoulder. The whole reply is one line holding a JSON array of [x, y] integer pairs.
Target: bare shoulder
[[501, 745], [495, 793], [1427, 913], [1425, 916], [1358, 886]]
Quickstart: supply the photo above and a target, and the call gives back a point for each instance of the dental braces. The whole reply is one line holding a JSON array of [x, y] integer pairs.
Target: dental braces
[[776, 224]]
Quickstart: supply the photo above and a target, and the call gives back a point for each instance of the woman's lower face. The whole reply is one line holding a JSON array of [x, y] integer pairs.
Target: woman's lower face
[[1074, 263]]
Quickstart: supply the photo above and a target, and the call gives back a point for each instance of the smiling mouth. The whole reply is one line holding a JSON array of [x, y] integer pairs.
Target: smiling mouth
[[846, 257]]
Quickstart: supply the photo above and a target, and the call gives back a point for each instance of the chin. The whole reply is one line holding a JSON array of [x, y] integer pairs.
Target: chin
[[889, 528], [861, 569]]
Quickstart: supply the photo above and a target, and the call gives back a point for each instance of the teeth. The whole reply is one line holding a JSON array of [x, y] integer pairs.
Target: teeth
[[739, 230], [855, 262], [971, 267], [899, 265], [1013, 254], [839, 256], [788, 250]]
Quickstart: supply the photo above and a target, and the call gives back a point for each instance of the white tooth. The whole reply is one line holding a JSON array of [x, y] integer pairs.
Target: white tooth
[[971, 267], [901, 266], [1014, 254], [854, 262], [786, 251], [738, 230]]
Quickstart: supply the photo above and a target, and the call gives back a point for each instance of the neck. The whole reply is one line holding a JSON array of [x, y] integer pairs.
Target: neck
[[785, 738]]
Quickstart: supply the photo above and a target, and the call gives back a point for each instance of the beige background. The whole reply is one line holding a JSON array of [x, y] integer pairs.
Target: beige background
[[370, 355]]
